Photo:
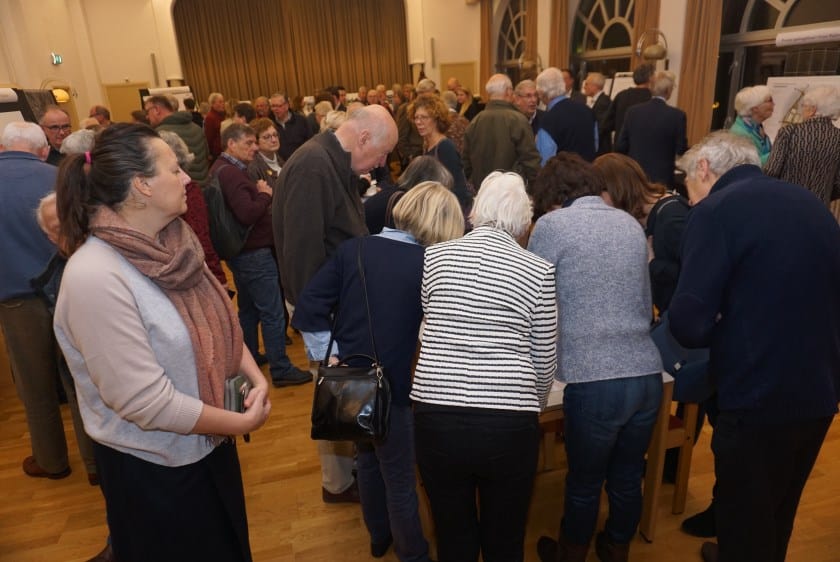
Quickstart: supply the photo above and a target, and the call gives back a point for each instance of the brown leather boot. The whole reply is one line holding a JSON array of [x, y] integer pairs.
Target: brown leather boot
[[609, 551], [550, 550]]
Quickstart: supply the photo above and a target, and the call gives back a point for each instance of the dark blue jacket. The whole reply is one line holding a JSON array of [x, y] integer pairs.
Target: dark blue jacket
[[654, 134], [765, 256], [572, 126], [393, 271]]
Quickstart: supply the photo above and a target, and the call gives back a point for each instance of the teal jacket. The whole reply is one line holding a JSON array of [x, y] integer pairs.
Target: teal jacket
[[752, 132]]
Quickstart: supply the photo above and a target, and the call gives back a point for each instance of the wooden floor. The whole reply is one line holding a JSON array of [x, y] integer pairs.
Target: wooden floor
[[64, 520]]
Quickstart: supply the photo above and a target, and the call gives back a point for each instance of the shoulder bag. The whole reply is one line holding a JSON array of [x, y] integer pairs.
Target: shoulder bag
[[352, 403]]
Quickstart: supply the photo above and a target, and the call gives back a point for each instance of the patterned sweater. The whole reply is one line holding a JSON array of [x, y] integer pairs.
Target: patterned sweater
[[491, 325]]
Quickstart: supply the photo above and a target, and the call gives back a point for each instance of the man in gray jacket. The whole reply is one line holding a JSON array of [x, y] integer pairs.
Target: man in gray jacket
[[499, 138], [163, 117]]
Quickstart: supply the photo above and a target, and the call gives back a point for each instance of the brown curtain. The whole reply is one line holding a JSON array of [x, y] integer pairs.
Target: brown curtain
[[248, 48], [531, 16], [485, 67], [558, 48], [700, 58], [645, 17]]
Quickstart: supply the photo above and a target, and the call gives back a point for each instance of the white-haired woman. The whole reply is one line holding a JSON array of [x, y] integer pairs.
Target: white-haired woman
[[754, 105], [393, 262], [486, 366], [806, 153]]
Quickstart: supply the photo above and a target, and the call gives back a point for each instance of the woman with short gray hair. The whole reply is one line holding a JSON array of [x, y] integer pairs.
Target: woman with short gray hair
[[806, 153], [754, 105], [486, 366]]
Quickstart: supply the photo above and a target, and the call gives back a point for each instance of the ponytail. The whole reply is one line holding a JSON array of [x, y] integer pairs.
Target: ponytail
[[72, 190]]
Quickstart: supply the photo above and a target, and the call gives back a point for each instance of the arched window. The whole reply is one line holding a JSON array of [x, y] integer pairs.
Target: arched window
[[511, 43], [602, 33]]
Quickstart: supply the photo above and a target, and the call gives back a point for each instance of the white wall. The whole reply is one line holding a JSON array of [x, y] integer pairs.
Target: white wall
[[456, 30]]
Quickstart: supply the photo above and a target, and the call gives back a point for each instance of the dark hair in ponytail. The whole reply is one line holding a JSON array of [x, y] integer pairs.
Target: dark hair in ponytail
[[101, 177]]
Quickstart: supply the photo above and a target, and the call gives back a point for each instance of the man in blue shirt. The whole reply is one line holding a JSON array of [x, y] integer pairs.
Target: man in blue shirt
[[26, 323], [569, 127]]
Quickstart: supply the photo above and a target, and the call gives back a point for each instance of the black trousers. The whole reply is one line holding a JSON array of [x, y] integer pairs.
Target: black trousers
[[761, 471], [161, 513], [478, 470]]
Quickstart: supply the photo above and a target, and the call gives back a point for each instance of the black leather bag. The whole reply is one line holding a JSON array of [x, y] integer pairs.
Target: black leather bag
[[352, 400]]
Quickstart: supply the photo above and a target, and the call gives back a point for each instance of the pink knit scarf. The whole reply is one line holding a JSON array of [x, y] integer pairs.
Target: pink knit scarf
[[175, 263]]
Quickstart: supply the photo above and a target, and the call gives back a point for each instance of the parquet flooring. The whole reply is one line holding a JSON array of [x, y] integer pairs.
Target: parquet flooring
[[64, 521]]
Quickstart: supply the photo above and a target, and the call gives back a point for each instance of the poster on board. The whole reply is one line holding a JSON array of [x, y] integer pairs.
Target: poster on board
[[787, 94], [180, 92]]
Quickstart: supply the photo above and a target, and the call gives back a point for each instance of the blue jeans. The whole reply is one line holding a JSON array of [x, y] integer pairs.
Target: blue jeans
[[608, 427], [258, 296], [387, 488]]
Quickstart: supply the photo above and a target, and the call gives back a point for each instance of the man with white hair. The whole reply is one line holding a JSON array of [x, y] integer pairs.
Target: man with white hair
[[654, 133], [754, 105], [24, 318], [599, 101], [499, 138], [315, 208], [566, 126], [759, 286]]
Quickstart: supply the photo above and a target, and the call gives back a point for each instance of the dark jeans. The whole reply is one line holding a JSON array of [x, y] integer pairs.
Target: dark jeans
[[387, 486], [761, 471], [174, 514], [493, 453], [608, 426], [260, 303]]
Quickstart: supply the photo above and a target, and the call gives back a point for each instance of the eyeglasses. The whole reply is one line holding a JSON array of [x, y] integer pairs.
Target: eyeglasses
[[418, 117], [56, 128], [270, 136]]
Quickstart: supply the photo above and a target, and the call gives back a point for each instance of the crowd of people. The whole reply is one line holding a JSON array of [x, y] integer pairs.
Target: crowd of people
[[504, 245]]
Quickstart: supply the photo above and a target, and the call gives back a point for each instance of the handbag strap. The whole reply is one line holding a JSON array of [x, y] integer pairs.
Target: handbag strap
[[367, 309]]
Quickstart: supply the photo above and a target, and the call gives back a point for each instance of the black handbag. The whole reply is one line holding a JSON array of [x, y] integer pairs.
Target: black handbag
[[352, 403]]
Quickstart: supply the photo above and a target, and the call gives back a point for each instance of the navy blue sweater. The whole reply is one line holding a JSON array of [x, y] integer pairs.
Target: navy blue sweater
[[394, 271], [765, 255]]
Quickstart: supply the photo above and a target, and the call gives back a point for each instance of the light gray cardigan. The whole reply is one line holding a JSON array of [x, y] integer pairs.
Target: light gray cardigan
[[603, 291]]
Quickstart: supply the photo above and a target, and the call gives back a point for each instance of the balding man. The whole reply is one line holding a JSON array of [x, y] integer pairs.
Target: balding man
[[452, 84], [163, 117], [262, 107], [24, 318], [213, 124], [499, 138], [316, 207], [56, 125], [599, 102], [566, 126]]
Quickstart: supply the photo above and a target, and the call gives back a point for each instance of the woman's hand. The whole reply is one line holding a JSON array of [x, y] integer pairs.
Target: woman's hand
[[257, 409]]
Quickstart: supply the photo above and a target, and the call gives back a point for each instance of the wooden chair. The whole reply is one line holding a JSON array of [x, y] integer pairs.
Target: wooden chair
[[669, 432]]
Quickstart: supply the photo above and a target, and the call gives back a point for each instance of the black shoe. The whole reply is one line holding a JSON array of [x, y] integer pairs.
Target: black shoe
[[261, 359], [547, 549], [702, 524], [350, 495], [379, 549], [292, 377]]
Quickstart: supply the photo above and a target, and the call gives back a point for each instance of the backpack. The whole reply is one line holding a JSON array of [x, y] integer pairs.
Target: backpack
[[227, 234]]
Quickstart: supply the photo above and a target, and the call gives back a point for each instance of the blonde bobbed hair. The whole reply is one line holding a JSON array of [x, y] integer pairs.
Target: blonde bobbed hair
[[430, 213]]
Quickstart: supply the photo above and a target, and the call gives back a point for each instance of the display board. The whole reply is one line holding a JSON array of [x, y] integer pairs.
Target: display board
[[23, 105], [180, 92], [787, 96], [621, 81]]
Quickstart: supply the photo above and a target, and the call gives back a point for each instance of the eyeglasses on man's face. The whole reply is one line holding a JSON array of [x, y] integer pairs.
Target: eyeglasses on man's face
[[56, 128]]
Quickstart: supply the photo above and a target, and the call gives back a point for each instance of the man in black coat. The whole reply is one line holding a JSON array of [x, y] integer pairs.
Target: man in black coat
[[654, 133], [565, 125], [625, 99], [571, 92], [599, 102]]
